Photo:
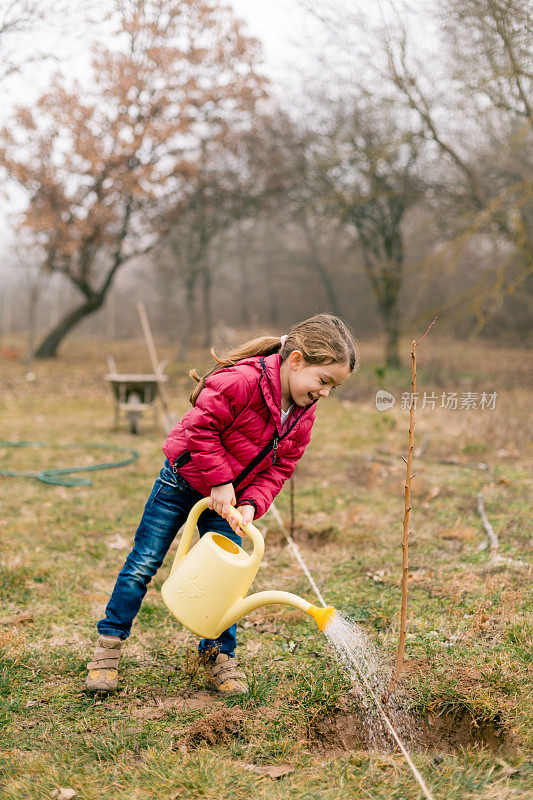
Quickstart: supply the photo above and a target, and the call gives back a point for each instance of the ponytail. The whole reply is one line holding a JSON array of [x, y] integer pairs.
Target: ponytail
[[322, 339]]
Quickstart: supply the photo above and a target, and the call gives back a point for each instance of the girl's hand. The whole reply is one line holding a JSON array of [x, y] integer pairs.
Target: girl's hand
[[247, 511], [221, 498]]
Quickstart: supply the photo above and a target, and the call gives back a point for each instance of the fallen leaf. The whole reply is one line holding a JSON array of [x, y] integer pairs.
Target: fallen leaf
[[451, 460], [252, 648], [63, 793], [503, 453], [376, 576], [261, 625], [271, 770], [462, 533], [118, 542], [420, 574]]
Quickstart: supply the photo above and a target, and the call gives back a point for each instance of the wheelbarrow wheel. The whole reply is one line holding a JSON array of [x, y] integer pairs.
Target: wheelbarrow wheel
[[134, 416]]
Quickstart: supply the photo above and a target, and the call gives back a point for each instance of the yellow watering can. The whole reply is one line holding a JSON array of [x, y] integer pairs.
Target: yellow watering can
[[206, 586]]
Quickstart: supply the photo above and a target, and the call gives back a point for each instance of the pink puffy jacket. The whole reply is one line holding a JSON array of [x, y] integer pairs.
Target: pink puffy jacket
[[237, 413]]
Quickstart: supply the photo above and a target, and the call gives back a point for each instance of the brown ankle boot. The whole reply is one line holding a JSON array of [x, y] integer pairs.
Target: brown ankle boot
[[103, 669], [224, 675]]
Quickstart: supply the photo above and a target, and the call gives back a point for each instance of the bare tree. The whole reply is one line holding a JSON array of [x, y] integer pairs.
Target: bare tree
[[365, 177], [235, 180], [462, 72], [307, 206], [488, 186], [491, 44], [295, 200]]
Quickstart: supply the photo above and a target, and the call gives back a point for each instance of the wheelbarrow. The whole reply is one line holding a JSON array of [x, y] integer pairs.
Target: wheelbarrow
[[133, 395]]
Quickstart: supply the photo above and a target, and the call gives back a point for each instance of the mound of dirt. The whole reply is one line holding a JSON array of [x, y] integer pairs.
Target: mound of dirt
[[219, 727]]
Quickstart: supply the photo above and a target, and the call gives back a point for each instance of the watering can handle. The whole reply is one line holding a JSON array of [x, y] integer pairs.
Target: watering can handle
[[190, 526]]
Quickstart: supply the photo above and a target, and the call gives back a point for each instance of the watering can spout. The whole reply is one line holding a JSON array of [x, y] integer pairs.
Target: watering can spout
[[241, 608], [322, 616]]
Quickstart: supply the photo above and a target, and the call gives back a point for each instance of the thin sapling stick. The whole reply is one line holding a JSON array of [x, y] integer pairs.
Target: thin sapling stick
[[407, 508]]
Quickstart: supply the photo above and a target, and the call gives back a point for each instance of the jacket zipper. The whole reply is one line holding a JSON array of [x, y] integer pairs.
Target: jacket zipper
[[182, 459], [264, 452]]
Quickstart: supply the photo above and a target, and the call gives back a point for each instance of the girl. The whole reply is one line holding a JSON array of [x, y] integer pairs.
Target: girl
[[250, 424]]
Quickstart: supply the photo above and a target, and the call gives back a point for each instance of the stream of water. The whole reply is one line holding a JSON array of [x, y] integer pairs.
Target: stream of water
[[359, 657]]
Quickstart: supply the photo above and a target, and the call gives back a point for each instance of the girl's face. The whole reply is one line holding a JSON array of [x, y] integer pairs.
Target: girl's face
[[303, 383]]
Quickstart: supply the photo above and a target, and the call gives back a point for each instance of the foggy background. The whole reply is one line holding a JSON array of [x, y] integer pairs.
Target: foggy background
[[240, 167]]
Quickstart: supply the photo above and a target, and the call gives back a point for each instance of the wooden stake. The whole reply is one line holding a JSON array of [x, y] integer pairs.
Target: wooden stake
[[292, 506], [168, 418]]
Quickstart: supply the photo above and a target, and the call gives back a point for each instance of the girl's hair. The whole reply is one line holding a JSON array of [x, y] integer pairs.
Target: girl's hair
[[322, 339]]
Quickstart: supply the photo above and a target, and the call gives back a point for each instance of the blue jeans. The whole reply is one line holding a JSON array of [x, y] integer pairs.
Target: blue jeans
[[166, 510]]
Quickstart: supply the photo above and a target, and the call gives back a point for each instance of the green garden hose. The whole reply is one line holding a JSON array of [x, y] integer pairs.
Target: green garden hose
[[55, 476]]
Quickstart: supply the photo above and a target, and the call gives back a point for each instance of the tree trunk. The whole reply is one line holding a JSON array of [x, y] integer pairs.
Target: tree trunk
[[33, 301], [273, 300], [321, 270], [327, 284], [392, 329], [190, 284], [245, 289], [48, 347], [392, 282], [207, 283], [386, 288]]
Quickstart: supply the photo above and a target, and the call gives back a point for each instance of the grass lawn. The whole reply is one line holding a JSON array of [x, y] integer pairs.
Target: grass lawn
[[467, 679]]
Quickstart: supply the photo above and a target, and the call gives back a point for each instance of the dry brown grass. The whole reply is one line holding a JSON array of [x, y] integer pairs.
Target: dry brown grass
[[468, 642]]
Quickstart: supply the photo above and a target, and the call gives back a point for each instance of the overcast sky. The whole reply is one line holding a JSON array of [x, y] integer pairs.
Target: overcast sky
[[279, 24]]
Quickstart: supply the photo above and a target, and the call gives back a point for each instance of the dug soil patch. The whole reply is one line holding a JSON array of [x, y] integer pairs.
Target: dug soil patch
[[345, 729]]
